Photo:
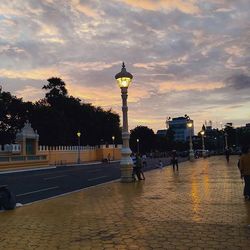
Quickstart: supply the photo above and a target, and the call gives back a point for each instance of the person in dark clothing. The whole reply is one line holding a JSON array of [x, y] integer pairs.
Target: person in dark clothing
[[244, 167], [174, 160], [139, 172]]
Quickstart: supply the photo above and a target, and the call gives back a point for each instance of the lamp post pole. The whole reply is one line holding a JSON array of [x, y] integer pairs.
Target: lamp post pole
[[191, 151], [113, 139], [124, 78], [203, 143], [138, 146], [78, 136]]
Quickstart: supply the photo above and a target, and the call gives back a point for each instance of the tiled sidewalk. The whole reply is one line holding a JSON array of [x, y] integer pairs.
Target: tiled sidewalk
[[201, 207]]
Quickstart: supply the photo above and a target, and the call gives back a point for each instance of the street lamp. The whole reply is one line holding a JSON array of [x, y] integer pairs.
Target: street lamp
[[203, 143], [113, 139], [138, 149], [78, 136], [124, 79], [191, 151]]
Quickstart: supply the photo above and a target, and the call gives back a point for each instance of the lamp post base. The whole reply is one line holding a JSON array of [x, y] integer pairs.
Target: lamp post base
[[191, 155], [126, 173], [203, 153]]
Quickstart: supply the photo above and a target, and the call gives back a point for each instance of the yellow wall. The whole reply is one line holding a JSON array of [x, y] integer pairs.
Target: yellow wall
[[61, 157], [65, 157]]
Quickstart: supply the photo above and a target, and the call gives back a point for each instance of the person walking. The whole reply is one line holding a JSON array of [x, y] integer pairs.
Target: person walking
[[174, 160], [244, 166]]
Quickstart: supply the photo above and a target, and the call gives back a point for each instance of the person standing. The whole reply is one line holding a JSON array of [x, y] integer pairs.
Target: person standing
[[174, 160], [139, 172], [244, 166]]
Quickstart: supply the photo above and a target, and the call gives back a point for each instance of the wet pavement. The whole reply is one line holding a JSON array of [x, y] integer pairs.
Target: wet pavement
[[200, 207]]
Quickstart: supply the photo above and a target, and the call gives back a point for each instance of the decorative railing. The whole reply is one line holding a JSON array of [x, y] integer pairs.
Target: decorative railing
[[23, 158], [76, 148], [10, 148]]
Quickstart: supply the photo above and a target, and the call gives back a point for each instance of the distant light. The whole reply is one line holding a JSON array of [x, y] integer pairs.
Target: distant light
[[189, 124]]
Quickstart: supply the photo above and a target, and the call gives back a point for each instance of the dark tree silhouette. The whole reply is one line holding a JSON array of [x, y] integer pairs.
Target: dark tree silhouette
[[146, 138]]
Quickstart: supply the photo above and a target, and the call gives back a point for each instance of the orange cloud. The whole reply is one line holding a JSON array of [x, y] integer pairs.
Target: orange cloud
[[86, 10], [186, 6], [35, 74], [29, 93], [178, 86]]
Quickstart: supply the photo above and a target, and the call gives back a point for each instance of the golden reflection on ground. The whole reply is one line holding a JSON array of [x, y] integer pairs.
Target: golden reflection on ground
[[200, 207]]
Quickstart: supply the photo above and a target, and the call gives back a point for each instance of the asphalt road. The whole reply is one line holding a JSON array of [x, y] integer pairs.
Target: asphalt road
[[34, 185]]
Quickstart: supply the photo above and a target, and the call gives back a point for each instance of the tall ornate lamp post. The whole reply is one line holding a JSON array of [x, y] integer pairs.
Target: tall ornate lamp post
[[78, 136], [203, 143], [124, 79], [138, 146], [113, 139], [191, 151]]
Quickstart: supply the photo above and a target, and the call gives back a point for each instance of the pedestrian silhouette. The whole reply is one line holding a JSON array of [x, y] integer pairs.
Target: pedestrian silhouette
[[227, 153], [174, 160], [244, 167]]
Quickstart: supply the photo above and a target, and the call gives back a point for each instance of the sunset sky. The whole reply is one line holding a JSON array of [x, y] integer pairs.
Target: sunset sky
[[187, 56]]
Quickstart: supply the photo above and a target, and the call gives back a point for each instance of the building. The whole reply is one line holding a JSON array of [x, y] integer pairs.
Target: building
[[180, 128], [161, 132]]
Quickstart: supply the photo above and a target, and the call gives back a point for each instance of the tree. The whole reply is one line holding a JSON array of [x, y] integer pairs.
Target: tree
[[146, 138], [13, 113], [57, 90]]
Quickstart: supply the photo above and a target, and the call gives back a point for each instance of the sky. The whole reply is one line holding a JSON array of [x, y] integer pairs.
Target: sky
[[187, 56]]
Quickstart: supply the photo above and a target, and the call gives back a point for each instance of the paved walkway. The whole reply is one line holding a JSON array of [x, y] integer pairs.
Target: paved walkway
[[201, 207]]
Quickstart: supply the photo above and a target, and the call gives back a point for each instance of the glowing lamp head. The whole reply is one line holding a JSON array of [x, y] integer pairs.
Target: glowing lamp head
[[113, 138], [124, 78], [189, 124], [137, 140], [78, 134], [202, 132]]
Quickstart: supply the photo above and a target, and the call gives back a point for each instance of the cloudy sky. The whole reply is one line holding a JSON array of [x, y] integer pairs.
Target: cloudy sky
[[187, 56]]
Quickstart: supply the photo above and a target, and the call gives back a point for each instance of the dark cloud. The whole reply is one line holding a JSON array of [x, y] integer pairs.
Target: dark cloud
[[239, 82]]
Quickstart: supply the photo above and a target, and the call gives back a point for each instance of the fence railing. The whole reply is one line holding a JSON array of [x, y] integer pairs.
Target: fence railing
[[75, 148], [23, 158]]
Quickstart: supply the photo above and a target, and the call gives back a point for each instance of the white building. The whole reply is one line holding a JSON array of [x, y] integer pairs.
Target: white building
[[179, 126]]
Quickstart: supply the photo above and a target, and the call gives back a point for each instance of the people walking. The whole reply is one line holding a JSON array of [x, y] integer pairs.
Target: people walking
[[174, 160], [244, 166]]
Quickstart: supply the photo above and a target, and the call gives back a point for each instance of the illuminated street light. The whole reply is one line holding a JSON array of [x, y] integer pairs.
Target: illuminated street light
[[78, 136], [191, 151], [124, 79], [203, 143], [113, 139], [138, 146]]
